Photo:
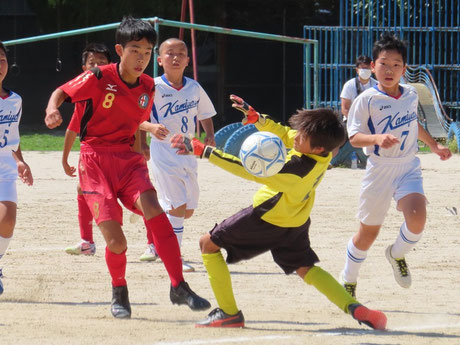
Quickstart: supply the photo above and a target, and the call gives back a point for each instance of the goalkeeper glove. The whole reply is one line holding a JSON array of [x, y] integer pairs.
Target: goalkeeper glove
[[187, 146], [250, 115]]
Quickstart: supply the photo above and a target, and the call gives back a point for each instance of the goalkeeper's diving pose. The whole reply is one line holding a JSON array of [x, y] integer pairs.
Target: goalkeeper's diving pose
[[279, 218]]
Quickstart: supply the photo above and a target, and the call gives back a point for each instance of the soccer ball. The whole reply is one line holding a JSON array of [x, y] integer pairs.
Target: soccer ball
[[263, 154]]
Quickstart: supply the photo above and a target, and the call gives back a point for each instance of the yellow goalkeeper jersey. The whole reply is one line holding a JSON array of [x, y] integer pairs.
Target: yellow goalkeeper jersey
[[286, 199]]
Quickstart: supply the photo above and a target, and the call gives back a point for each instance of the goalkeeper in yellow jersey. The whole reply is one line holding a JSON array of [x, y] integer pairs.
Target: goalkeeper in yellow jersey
[[279, 217]]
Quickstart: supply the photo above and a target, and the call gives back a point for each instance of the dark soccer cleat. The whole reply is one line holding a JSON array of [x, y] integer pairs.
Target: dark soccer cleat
[[218, 318], [372, 318], [184, 295], [120, 308]]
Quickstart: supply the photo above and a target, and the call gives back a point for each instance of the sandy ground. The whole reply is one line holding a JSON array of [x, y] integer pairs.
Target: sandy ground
[[54, 298]]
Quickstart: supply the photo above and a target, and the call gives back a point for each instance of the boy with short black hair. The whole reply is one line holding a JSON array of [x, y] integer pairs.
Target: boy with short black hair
[[121, 97], [179, 102], [94, 55], [11, 161], [279, 218], [383, 121]]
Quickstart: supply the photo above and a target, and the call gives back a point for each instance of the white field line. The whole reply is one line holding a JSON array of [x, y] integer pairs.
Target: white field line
[[277, 337], [423, 327]]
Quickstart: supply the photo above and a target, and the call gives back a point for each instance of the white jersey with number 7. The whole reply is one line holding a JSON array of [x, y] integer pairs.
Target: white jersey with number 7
[[375, 112]]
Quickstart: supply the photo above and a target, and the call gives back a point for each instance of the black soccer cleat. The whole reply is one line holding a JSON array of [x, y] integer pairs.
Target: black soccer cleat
[[372, 318], [184, 295], [121, 309], [218, 318]]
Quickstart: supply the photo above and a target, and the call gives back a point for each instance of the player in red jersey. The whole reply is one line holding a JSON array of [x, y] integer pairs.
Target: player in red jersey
[[94, 55], [120, 97]]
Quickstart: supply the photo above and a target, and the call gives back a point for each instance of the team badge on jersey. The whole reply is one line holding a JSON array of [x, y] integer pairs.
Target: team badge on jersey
[[143, 101]]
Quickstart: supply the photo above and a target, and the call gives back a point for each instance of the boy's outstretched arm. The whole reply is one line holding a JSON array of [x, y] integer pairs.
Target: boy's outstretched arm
[[187, 146], [230, 163], [69, 139], [250, 115], [208, 126], [145, 150], [53, 117], [24, 172], [385, 141], [158, 130], [434, 146]]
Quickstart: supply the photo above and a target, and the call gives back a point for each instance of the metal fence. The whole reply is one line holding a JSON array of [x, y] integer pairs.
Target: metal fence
[[431, 29]]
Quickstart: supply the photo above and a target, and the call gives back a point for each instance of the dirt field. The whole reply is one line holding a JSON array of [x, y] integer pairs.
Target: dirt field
[[54, 298]]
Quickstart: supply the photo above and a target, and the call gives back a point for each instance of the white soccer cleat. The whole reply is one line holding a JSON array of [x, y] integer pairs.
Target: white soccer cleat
[[82, 248], [400, 269], [187, 267], [150, 254]]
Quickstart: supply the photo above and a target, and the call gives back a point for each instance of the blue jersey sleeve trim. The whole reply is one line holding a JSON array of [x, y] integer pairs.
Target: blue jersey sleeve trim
[[154, 112], [372, 129]]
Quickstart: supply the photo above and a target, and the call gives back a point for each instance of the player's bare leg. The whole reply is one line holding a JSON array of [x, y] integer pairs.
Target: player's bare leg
[[7, 218], [413, 207], [7, 223]]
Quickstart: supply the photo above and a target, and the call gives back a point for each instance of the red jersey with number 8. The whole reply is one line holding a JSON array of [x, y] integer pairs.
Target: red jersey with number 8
[[113, 109]]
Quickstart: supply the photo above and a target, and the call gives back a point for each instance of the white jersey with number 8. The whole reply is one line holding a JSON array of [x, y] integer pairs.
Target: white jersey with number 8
[[176, 176], [177, 109], [375, 112]]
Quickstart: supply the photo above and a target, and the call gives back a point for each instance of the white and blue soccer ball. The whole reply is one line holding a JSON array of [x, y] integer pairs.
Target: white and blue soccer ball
[[263, 154]]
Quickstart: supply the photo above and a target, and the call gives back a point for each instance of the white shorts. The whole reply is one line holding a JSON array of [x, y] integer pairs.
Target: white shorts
[[8, 177], [387, 178], [175, 177]]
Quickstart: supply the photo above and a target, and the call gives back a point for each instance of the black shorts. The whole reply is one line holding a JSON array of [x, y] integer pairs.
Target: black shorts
[[245, 235]]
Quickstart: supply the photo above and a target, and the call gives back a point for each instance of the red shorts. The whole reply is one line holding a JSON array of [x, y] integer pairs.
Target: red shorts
[[110, 173]]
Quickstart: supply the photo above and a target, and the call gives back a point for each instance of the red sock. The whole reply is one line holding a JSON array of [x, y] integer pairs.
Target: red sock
[[116, 264], [149, 234], [85, 219], [166, 246]]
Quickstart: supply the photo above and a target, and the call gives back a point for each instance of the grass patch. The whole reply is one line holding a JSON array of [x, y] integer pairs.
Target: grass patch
[[45, 142], [452, 145], [54, 142], [423, 148]]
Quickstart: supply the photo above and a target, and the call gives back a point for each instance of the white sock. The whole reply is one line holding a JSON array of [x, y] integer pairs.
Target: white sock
[[178, 226], [4, 242], [405, 241], [355, 257]]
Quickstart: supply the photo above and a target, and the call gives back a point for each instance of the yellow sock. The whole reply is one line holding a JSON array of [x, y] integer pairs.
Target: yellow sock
[[221, 283], [328, 286]]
